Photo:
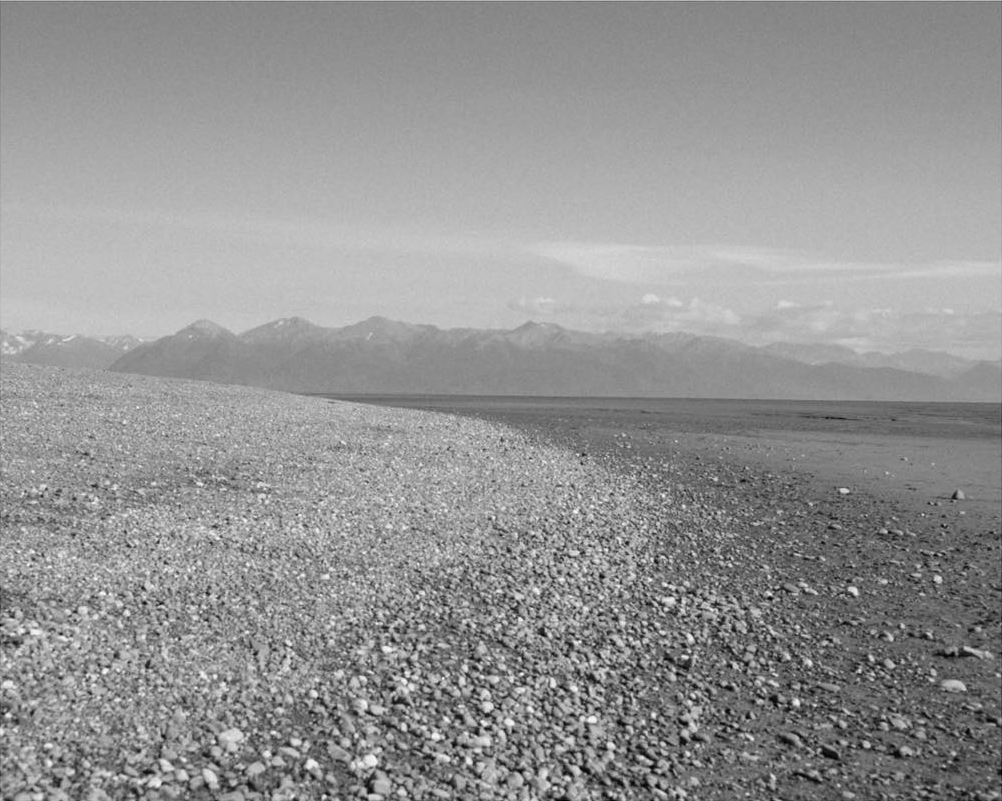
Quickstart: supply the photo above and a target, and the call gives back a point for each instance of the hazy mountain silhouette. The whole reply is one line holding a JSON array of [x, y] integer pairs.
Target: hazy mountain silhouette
[[56, 350], [385, 356], [916, 360]]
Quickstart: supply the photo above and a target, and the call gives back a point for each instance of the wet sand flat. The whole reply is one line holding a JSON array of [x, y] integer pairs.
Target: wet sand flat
[[914, 452]]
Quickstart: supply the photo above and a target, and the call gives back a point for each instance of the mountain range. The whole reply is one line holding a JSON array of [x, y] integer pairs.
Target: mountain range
[[58, 350], [380, 355]]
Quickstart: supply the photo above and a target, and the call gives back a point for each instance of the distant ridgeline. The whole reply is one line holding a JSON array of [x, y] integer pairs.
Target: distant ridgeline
[[56, 350], [385, 356]]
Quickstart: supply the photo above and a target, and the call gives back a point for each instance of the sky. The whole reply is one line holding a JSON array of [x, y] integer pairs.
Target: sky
[[804, 172]]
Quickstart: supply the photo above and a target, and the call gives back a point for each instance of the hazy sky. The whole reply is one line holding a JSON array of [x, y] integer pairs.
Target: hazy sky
[[805, 172]]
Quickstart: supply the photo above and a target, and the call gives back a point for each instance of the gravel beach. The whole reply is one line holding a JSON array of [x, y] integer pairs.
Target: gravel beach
[[226, 593]]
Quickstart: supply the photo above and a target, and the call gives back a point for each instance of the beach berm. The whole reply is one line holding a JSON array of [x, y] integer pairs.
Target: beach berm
[[200, 581]]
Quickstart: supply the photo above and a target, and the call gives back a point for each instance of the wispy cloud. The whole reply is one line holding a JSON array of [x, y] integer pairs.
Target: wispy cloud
[[667, 264], [329, 234], [650, 265]]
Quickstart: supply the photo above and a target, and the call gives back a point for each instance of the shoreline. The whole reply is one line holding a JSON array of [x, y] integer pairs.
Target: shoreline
[[898, 509], [600, 619], [907, 452]]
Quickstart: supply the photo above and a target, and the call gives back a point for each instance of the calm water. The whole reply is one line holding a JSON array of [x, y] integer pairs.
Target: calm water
[[948, 420]]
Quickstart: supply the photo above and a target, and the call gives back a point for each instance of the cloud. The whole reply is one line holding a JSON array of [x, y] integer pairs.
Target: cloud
[[655, 265], [305, 232], [641, 264], [651, 313], [975, 335], [696, 316], [665, 264]]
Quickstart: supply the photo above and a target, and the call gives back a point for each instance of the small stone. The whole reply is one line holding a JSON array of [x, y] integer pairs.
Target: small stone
[[843, 490], [230, 740], [338, 753], [255, 769], [904, 752], [790, 738], [953, 686], [853, 591], [958, 495], [515, 780], [210, 778], [830, 752], [382, 786]]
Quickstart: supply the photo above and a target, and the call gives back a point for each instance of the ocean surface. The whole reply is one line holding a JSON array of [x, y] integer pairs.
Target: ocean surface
[[982, 421]]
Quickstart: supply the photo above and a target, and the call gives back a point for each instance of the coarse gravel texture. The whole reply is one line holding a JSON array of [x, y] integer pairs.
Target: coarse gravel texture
[[217, 592]]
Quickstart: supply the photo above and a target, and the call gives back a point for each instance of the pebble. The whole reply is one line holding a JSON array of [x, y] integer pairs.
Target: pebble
[[967, 650], [255, 769], [790, 738], [830, 752], [515, 780], [210, 778], [338, 753], [953, 686], [230, 740]]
